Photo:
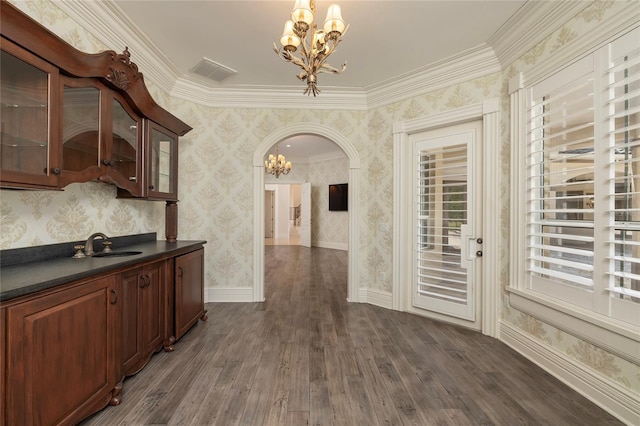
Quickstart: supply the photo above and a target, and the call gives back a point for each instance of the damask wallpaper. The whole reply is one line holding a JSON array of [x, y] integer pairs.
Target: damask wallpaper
[[216, 182]]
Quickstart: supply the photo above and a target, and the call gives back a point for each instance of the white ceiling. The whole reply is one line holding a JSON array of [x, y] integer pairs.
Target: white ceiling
[[385, 40]]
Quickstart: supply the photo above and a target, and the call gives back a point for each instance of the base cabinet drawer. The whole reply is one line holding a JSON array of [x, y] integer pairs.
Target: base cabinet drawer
[[61, 363]]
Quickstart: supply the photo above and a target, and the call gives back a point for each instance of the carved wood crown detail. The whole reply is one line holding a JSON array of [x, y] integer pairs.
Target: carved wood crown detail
[[118, 73]]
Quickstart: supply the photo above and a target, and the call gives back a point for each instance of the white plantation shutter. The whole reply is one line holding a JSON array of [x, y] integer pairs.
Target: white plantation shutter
[[560, 175], [582, 183], [621, 80], [442, 214]]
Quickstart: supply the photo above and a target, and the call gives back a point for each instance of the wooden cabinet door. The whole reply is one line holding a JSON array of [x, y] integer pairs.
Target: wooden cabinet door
[[83, 138], [161, 163], [124, 146], [28, 134], [3, 366], [152, 307], [61, 360], [131, 340], [143, 315], [189, 291]]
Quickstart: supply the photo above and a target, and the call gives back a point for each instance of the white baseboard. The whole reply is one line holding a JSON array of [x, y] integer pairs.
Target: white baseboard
[[601, 390], [228, 294], [376, 297], [330, 245]]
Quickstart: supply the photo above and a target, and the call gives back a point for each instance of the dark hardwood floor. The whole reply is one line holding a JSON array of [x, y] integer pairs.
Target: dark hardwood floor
[[306, 356]]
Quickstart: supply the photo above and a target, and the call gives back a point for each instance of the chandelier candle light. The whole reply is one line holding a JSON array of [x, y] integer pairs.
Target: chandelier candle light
[[314, 49], [277, 165]]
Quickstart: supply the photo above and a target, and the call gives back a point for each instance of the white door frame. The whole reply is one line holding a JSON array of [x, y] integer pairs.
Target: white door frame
[[353, 285], [489, 112], [305, 213]]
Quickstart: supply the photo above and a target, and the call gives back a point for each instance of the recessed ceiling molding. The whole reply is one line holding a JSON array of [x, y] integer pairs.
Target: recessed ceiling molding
[[107, 22], [261, 97], [532, 23], [464, 66]]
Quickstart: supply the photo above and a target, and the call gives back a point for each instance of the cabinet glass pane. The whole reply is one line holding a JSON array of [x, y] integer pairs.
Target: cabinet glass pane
[[24, 136], [80, 132], [161, 152], [125, 142]]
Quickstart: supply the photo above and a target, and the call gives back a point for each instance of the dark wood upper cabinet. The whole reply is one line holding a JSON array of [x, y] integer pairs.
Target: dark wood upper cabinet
[[28, 130], [69, 116]]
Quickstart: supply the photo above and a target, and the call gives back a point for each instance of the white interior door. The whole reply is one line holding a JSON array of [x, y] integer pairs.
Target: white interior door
[[269, 213], [447, 220], [305, 214]]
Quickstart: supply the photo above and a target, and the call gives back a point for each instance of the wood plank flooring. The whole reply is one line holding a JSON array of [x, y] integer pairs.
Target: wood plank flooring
[[307, 357]]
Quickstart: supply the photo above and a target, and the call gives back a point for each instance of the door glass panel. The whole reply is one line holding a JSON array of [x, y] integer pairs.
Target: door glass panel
[[442, 213], [125, 142], [80, 130], [24, 95], [161, 162]]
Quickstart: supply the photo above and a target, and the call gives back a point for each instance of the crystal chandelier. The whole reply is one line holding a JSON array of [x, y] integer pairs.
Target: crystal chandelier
[[314, 49], [277, 165]]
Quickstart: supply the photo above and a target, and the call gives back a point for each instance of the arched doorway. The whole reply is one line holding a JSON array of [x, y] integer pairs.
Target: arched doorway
[[258, 193]]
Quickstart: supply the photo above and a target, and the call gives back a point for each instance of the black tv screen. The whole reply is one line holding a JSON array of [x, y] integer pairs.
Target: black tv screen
[[339, 197]]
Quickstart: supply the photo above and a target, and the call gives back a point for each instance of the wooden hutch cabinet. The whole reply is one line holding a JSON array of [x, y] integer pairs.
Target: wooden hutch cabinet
[[69, 116]]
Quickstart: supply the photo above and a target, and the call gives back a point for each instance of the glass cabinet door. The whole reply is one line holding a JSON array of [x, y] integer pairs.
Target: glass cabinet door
[[124, 157], [82, 139], [162, 163], [26, 131]]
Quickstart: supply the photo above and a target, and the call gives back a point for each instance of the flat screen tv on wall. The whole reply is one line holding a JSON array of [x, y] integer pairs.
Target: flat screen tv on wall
[[339, 197]]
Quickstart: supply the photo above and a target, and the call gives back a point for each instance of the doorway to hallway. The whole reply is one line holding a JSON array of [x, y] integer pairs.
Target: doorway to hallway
[[283, 214]]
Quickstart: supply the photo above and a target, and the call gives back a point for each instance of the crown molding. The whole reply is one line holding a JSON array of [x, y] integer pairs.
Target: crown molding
[[619, 23], [265, 97], [533, 22], [463, 66], [106, 21]]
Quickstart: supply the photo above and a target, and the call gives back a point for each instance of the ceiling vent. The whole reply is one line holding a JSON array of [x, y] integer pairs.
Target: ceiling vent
[[213, 70]]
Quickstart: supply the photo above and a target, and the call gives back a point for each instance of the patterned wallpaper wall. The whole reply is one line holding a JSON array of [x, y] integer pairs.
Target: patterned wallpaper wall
[[328, 227], [605, 363], [216, 182]]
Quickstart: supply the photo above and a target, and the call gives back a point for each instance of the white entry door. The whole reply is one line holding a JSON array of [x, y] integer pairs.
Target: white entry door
[[446, 221], [305, 214]]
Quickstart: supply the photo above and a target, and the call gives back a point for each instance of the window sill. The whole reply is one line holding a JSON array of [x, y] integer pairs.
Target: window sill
[[613, 336]]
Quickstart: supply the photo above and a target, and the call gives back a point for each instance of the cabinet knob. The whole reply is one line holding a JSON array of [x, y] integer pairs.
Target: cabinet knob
[[114, 296], [151, 187], [108, 162], [56, 170], [180, 271], [143, 283]]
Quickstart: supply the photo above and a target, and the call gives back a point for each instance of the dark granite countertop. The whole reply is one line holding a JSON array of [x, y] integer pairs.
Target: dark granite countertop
[[40, 272]]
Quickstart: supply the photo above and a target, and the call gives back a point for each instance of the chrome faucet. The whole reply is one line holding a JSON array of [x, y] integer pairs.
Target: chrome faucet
[[88, 246]]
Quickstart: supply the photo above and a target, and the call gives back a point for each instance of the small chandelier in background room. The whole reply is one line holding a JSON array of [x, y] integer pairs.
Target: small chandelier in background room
[[277, 165], [315, 45]]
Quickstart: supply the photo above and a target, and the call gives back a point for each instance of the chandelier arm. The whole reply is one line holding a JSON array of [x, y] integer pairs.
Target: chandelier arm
[[324, 68]]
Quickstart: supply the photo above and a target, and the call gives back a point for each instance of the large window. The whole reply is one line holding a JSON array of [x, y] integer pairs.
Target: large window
[[581, 183]]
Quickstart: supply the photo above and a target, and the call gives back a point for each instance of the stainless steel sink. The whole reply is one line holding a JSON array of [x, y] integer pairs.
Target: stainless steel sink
[[117, 253]]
